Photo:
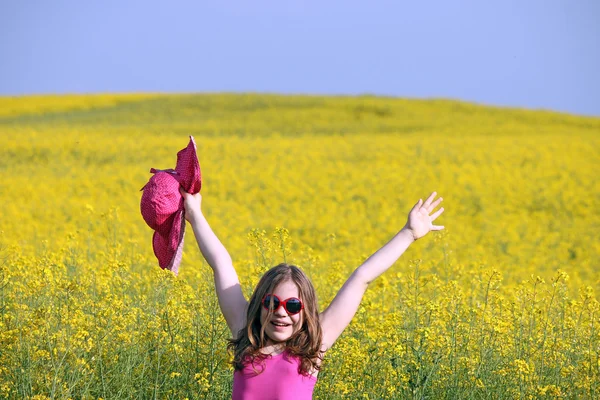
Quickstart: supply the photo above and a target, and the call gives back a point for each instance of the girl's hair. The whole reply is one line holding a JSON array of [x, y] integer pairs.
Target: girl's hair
[[305, 343]]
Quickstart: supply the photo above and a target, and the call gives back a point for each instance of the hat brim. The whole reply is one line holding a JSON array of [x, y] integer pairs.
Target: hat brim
[[168, 248]]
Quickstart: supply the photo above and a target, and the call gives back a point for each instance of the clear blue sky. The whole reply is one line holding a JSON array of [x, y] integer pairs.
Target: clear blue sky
[[527, 53]]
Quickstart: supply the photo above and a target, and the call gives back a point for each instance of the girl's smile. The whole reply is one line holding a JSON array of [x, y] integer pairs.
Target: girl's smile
[[280, 324]]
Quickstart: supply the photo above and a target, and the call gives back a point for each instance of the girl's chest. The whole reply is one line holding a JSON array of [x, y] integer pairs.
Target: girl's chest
[[275, 378], [288, 363]]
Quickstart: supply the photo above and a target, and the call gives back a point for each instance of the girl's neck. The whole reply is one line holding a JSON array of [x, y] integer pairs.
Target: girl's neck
[[273, 347]]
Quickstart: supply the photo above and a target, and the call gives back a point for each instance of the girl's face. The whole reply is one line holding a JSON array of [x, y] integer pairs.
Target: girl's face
[[282, 325]]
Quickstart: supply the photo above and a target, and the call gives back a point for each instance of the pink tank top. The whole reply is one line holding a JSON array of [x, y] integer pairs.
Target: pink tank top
[[279, 380]]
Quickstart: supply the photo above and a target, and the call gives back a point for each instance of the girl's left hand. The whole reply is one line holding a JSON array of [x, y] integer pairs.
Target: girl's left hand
[[419, 221]]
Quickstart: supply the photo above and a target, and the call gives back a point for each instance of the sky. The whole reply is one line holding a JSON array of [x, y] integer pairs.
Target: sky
[[536, 54]]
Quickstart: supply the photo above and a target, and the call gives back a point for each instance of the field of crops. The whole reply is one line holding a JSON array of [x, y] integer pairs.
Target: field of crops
[[501, 304]]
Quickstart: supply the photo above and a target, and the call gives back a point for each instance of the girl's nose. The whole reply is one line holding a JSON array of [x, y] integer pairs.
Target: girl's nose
[[280, 312]]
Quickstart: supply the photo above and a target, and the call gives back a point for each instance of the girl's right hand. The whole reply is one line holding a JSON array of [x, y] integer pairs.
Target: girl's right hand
[[192, 204]]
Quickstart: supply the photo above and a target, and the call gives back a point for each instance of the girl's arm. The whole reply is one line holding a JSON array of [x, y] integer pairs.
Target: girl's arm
[[227, 285], [345, 304]]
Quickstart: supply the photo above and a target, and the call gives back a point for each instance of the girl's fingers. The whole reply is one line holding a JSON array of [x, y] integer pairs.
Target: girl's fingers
[[437, 227], [429, 200], [437, 214], [434, 204], [416, 206]]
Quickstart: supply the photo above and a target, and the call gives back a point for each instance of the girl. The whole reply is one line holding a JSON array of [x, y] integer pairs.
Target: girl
[[279, 337]]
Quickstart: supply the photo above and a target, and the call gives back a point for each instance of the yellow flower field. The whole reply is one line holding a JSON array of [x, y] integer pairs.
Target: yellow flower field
[[501, 304]]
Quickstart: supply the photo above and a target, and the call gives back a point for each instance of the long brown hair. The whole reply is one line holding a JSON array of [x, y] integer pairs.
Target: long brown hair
[[305, 343]]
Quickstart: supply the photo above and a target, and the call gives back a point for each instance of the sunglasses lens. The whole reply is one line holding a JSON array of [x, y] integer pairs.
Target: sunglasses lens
[[267, 302], [294, 306]]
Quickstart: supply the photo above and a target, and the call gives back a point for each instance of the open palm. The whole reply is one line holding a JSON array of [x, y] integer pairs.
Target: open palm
[[419, 220]]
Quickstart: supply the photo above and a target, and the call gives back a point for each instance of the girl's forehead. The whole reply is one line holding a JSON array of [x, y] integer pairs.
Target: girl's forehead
[[286, 289]]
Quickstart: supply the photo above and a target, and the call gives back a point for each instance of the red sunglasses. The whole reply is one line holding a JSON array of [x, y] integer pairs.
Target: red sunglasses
[[292, 305]]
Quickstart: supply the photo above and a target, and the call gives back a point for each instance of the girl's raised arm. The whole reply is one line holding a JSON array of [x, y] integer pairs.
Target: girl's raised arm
[[345, 304], [229, 292]]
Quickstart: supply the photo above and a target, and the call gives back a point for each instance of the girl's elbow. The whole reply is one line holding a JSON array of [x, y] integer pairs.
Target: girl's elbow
[[363, 277]]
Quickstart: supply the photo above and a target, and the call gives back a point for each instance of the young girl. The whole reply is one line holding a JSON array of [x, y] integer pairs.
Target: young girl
[[279, 337]]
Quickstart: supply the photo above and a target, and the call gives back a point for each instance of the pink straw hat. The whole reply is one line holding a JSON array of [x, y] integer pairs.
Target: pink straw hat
[[162, 205]]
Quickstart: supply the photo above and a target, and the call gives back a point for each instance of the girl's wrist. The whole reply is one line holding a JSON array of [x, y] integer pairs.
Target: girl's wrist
[[196, 216], [408, 233]]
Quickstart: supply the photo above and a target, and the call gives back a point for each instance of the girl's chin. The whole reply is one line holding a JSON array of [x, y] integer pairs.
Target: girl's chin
[[279, 336]]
